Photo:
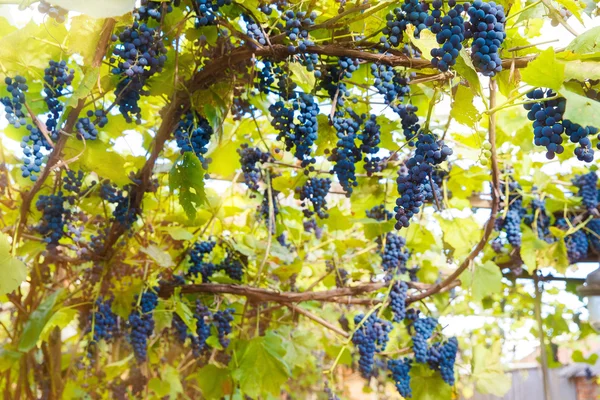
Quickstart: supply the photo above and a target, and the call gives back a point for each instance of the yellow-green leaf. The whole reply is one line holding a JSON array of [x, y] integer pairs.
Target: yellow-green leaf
[[12, 270]]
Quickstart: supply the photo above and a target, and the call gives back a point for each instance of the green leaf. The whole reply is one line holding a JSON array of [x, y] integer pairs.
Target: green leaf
[[428, 385], [578, 357], [304, 79], [545, 71], [117, 368], [269, 353], [170, 375], [187, 177], [85, 87], [179, 233], [213, 381], [581, 109], [337, 221], [582, 70], [460, 233], [463, 109], [465, 68], [12, 270], [486, 280], [60, 318], [97, 9], [163, 259], [186, 315], [587, 42], [488, 372], [8, 358], [36, 322], [84, 28]]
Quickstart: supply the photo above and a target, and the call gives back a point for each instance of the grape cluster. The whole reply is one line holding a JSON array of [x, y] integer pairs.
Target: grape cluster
[[57, 79], [57, 13], [450, 33], [73, 180], [296, 24], [547, 120], [370, 138], [253, 30], [249, 157], [207, 11], [394, 29], [564, 14], [486, 27], [416, 14], [305, 133], [14, 104], [395, 255], [181, 329], [578, 134], [379, 213], [400, 370], [139, 55], [222, 321], [442, 357], [104, 321], [369, 338], [511, 222], [409, 121], [156, 10], [347, 153], [587, 189], [141, 323], [392, 85], [193, 133], [86, 128], [314, 191], [539, 218], [124, 213], [577, 242], [398, 300], [202, 315], [54, 217], [198, 265], [233, 266], [310, 225], [593, 234], [423, 330], [429, 153]]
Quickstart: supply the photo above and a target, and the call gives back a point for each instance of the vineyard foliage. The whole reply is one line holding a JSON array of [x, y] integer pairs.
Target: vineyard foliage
[[279, 199]]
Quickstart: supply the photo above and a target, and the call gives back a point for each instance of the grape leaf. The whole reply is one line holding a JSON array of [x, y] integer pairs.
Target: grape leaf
[[580, 109], [162, 258], [13, 270], [486, 279], [587, 42], [36, 322], [488, 372], [269, 353], [97, 9], [187, 177], [428, 385], [213, 381], [463, 110], [545, 71]]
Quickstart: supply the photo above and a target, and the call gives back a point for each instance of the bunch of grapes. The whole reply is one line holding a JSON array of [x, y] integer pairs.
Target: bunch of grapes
[[233, 266], [54, 217], [154, 9], [577, 242], [369, 338], [395, 255], [578, 134], [429, 153], [283, 121], [511, 222], [314, 191], [73, 180], [57, 79], [593, 234], [450, 33], [14, 104], [334, 85], [539, 218], [442, 357], [207, 11], [141, 323], [198, 265], [409, 121], [263, 209], [202, 315], [296, 24], [57, 13], [423, 330], [249, 157], [587, 189], [400, 370], [139, 55], [416, 14], [379, 213], [563, 12], [266, 76], [347, 153], [370, 138], [222, 321], [124, 213], [486, 27], [310, 225], [193, 134], [392, 85], [181, 329], [398, 300], [103, 321], [547, 120], [305, 133], [394, 29], [253, 30]]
